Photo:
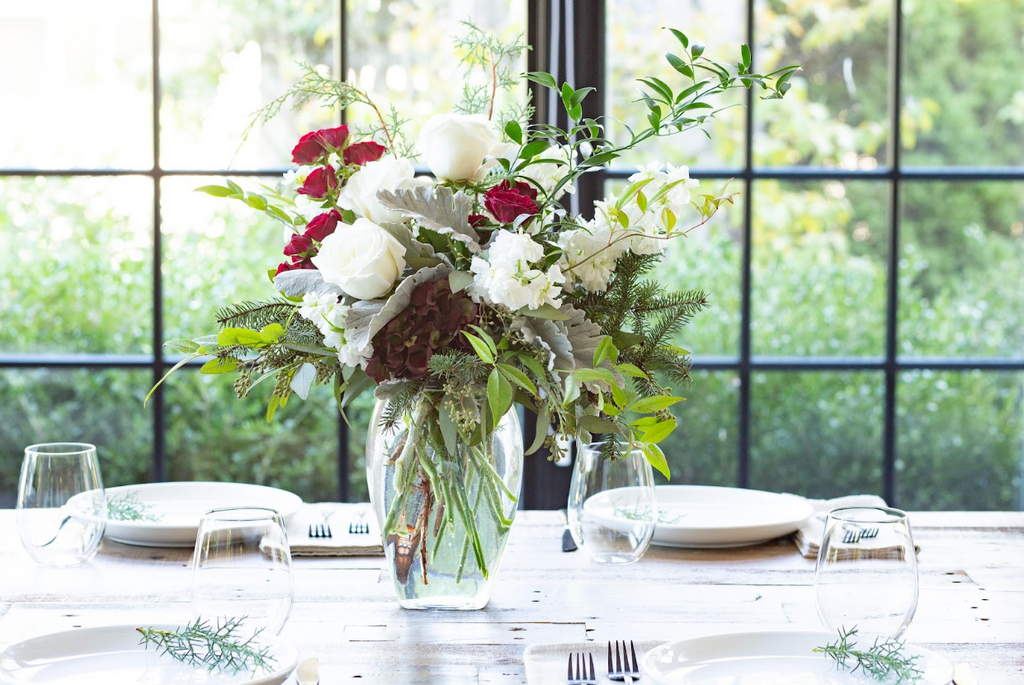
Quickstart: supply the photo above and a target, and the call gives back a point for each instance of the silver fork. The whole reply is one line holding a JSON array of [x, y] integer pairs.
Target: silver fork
[[320, 530], [582, 677], [623, 670], [360, 527]]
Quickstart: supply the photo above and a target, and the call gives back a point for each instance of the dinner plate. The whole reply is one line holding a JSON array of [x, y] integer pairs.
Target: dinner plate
[[709, 516], [112, 655], [172, 511], [769, 658]]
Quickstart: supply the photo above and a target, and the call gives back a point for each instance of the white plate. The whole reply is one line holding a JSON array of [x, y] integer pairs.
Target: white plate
[[708, 516], [768, 658], [112, 655], [178, 508]]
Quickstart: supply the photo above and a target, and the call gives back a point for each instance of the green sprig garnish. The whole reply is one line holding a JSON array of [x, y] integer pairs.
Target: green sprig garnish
[[215, 646], [885, 659], [129, 508]]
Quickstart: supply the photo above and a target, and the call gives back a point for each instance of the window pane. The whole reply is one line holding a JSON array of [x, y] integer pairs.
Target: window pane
[[819, 268], [358, 414], [76, 79], [963, 95], [216, 252], [213, 435], [636, 44], [836, 113], [817, 434], [706, 259], [960, 440], [84, 405], [76, 273], [703, 448], [401, 52], [216, 72], [961, 269]]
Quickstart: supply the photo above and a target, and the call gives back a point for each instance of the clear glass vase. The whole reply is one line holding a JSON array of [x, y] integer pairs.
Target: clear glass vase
[[445, 503]]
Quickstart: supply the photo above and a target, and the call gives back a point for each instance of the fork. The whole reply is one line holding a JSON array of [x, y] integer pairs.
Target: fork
[[582, 677], [359, 528], [320, 530], [623, 670]]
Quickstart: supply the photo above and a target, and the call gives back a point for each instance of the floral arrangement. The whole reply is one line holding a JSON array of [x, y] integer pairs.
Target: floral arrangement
[[459, 294]]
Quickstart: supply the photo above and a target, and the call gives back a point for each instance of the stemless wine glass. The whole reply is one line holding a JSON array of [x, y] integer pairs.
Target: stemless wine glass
[[612, 508], [242, 567], [62, 509], [866, 574]]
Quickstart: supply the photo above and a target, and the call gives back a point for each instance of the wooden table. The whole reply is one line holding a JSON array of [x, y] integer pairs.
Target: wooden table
[[971, 607]]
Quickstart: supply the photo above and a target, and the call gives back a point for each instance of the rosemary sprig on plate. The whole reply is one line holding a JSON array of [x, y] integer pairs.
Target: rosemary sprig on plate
[[883, 660], [129, 508], [215, 646]]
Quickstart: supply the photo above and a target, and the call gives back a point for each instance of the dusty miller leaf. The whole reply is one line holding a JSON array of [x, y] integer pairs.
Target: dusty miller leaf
[[437, 208], [385, 390], [584, 336], [550, 336], [414, 249], [298, 282]]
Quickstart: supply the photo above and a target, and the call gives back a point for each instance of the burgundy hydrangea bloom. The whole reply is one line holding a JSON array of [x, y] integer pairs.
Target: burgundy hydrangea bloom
[[505, 201], [361, 153], [433, 321], [322, 225], [319, 183]]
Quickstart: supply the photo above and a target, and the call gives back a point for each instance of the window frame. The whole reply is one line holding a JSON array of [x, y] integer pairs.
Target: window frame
[[583, 49]]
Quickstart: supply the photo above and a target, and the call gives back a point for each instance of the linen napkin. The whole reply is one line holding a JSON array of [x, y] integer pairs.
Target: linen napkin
[[546, 664], [341, 543], [808, 536]]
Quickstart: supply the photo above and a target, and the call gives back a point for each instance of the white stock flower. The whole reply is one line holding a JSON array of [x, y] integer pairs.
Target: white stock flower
[[363, 259], [507, 274], [546, 175], [329, 316], [456, 146], [386, 173], [592, 253], [677, 197]]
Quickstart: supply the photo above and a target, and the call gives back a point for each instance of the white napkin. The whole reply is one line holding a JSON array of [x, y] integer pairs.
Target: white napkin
[[808, 536], [341, 543], [546, 664]]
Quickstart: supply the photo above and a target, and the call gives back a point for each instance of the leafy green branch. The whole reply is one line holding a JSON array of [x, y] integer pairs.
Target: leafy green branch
[[216, 646], [482, 50], [884, 659]]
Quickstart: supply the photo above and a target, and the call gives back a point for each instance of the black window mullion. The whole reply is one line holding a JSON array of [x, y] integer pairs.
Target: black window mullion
[[743, 410], [892, 289], [159, 465], [344, 485]]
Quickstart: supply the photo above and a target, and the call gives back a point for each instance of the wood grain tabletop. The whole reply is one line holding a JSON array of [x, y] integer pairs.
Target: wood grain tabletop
[[971, 606]]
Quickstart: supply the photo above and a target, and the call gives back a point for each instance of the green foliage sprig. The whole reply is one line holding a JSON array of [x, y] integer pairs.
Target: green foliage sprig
[[129, 508], [484, 51], [883, 660], [214, 646]]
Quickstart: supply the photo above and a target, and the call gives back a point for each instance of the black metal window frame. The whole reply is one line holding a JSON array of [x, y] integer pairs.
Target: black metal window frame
[[564, 32]]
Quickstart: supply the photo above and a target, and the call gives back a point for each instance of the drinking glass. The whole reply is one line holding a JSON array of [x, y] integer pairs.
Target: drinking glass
[[242, 567], [612, 508], [866, 574], [62, 509]]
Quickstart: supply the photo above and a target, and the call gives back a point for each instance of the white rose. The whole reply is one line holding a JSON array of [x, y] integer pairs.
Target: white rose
[[455, 146], [363, 260], [386, 173]]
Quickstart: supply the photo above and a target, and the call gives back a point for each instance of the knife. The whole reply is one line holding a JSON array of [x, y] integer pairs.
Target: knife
[[308, 672], [962, 675], [568, 544]]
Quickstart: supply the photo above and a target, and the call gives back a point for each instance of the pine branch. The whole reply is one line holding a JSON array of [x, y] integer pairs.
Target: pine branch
[[254, 315]]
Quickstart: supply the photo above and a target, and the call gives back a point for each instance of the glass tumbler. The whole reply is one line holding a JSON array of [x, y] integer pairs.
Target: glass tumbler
[[62, 509], [866, 575], [612, 508], [242, 568]]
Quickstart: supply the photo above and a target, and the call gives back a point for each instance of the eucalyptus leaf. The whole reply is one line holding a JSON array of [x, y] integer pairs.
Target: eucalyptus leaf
[[459, 280]]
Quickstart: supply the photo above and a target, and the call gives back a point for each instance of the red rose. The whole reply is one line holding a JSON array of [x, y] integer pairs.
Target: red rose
[[308, 150], [319, 183], [298, 245], [505, 201], [333, 138], [322, 225], [361, 153], [315, 144], [292, 266], [477, 220]]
